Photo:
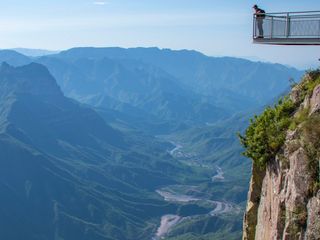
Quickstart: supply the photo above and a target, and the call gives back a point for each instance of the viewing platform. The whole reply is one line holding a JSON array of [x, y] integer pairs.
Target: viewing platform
[[287, 28]]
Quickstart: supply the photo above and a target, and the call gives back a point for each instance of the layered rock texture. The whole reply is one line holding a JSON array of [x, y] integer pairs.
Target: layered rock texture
[[284, 195]]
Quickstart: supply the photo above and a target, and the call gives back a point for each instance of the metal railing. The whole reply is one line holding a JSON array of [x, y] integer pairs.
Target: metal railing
[[287, 25]]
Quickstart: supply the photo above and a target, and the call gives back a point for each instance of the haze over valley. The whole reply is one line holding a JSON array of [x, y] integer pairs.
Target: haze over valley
[[127, 144]]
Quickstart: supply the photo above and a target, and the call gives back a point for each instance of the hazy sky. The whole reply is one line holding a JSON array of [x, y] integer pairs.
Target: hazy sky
[[216, 28]]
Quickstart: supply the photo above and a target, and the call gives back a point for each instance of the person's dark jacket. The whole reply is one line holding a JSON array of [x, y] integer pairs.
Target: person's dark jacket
[[260, 13]]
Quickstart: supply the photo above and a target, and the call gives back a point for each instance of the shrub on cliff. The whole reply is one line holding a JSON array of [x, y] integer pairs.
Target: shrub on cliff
[[266, 133]]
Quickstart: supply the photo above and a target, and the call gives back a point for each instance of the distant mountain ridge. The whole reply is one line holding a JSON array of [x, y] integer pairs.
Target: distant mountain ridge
[[132, 82], [34, 52], [17, 80], [14, 58], [217, 80], [161, 76], [204, 74]]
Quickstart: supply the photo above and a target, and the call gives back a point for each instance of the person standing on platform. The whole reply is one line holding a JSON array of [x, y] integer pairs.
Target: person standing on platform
[[260, 15]]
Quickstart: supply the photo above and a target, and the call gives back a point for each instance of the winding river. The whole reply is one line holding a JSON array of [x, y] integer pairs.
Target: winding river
[[169, 221]]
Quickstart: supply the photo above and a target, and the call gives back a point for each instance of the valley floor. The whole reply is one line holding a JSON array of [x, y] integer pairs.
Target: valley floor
[[194, 195]]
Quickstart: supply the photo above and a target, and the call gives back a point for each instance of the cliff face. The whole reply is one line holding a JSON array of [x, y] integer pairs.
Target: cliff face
[[284, 195]]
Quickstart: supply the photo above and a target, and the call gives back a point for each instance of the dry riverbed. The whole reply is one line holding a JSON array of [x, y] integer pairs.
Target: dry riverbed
[[169, 221]]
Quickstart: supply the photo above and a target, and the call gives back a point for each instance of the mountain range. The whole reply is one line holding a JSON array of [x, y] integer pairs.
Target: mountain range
[[167, 85], [86, 137]]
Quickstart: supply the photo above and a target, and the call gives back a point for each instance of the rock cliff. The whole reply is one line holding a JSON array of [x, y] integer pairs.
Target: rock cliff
[[284, 195]]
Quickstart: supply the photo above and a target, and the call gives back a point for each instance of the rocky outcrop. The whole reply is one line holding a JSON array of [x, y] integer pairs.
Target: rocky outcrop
[[282, 209], [250, 218], [315, 100], [313, 231], [282, 203]]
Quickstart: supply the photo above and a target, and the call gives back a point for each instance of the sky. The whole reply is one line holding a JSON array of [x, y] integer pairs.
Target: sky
[[213, 27]]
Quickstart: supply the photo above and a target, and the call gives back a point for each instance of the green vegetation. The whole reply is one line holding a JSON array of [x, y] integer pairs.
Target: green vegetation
[[307, 85], [300, 215], [266, 134]]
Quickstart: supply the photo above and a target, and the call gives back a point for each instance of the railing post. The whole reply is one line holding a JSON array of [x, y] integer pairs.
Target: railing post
[[287, 25], [254, 26], [271, 33]]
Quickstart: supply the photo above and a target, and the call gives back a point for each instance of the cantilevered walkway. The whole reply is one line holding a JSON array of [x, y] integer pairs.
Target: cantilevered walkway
[[287, 28]]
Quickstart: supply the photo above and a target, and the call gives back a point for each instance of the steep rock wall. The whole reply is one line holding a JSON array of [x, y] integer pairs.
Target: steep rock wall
[[282, 203]]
